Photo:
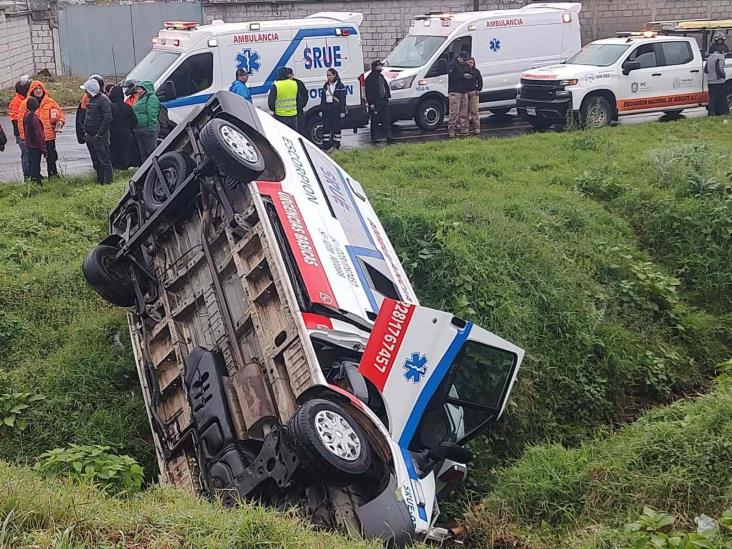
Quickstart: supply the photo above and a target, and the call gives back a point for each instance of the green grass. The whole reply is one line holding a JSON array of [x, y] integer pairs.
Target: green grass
[[64, 89], [606, 255], [35, 512]]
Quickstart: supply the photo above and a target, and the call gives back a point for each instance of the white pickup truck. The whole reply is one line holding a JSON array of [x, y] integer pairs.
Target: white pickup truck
[[638, 73]]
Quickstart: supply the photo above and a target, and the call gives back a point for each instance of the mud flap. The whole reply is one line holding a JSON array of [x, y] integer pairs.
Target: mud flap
[[387, 517]]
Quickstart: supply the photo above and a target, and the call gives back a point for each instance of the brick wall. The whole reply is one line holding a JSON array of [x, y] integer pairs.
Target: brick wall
[[43, 48], [16, 51], [387, 21]]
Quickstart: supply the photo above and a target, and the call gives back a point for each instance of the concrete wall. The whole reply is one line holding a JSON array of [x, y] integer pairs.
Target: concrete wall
[[387, 21], [26, 45]]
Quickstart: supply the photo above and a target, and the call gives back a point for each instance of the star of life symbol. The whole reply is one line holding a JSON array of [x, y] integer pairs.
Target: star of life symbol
[[248, 60], [415, 367], [495, 44]]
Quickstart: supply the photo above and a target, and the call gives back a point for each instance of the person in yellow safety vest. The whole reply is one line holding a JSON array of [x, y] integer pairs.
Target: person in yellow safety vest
[[283, 98]]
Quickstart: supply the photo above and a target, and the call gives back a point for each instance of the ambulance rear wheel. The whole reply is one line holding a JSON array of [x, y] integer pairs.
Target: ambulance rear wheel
[[332, 442], [232, 151], [110, 278], [430, 114], [314, 129]]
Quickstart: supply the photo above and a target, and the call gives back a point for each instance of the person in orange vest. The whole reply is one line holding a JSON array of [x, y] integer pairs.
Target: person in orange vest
[[81, 110], [129, 87], [14, 107], [51, 116]]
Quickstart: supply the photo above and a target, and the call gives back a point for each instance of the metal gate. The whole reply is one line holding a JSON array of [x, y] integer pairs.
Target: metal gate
[[110, 40]]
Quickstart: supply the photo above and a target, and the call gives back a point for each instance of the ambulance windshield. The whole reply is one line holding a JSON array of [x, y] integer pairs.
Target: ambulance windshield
[[414, 51], [153, 65]]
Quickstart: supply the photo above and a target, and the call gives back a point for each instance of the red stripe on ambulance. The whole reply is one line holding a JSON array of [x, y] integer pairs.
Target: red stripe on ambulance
[[306, 256], [385, 340]]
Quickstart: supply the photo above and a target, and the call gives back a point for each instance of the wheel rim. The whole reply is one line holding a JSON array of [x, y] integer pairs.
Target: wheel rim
[[431, 115], [107, 261], [162, 189], [596, 116], [239, 143], [337, 435], [316, 135]]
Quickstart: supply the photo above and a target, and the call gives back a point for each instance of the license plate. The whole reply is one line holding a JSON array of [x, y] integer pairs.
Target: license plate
[[531, 111]]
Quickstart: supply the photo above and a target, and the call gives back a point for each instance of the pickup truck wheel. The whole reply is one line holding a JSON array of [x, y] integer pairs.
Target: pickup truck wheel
[[175, 167], [109, 278], [233, 152], [596, 112], [430, 114], [333, 443]]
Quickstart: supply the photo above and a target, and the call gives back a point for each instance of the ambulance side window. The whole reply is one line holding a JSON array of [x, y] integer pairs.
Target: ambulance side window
[[441, 66], [194, 75]]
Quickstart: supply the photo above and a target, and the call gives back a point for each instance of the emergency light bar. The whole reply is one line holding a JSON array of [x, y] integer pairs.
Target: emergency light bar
[[180, 25]]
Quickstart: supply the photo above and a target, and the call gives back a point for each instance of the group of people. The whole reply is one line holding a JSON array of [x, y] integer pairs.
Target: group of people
[[464, 83], [118, 123]]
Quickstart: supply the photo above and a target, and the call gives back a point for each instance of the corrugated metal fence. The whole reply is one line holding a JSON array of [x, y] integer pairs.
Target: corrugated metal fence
[[112, 39]]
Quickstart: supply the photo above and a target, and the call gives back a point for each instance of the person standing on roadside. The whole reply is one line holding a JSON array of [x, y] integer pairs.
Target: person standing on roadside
[[460, 82], [14, 110], [282, 98], [302, 101], [97, 122], [120, 133], [81, 109], [377, 98], [332, 109], [716, 79], [51, 116], [147, 109], [35, 139], [474, 99], [239, 85], [719, 42]]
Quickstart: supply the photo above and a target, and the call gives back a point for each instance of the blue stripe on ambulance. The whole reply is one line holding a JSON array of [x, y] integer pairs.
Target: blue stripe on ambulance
[[264, 88], [410, 428]]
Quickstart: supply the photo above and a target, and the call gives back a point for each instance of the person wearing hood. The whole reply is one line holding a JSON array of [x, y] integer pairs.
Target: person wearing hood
[[129, 87], [377, 98], [97, 122], [239, 85], [123, 122], [147, 109], [332, 109], [719, 43], [282, 98], [716, 79], [14, 110], [81, 109], [35, 140], [51, 116]]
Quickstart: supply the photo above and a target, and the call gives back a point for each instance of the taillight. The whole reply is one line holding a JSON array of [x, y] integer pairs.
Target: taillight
[[362, 88], [456, 473]]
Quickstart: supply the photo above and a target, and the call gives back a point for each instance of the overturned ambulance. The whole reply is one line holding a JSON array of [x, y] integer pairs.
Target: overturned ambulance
[[282, 352]]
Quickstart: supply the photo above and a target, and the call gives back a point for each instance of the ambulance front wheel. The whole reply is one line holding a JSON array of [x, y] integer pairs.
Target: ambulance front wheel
[[332, 442], [231, 150], [430, 114]]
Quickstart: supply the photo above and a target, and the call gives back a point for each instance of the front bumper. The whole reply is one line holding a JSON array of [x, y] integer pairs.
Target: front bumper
[[549, 110]]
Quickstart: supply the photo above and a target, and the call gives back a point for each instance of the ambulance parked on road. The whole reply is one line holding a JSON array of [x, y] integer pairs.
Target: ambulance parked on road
[[504, 43], [189, 62]]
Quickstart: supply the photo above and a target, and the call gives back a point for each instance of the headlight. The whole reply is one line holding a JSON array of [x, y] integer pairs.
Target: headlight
[[563, 93], [401, 83], [572, 82]]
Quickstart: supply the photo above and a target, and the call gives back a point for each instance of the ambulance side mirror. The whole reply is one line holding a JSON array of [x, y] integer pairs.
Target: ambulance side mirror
[[167, 92], [630, 66]]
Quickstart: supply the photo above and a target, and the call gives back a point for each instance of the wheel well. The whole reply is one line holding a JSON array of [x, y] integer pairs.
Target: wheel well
[[433, 95], [607, 94], [274, 166]]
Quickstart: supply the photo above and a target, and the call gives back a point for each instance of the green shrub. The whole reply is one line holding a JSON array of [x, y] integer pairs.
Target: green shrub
[[97, 464], [13, 408]]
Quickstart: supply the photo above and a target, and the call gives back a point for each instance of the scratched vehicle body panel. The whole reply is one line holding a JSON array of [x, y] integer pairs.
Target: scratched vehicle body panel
[[281, 350]]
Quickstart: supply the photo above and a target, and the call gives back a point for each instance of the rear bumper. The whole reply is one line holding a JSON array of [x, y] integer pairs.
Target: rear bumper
[[549, 110]]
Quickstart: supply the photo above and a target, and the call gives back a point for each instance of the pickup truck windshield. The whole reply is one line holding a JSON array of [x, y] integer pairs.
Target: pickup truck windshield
[[598, 55], [414, 51], [153, 65]]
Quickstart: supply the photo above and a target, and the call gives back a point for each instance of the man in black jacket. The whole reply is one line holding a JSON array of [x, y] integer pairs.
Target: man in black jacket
[[302, 101], [97, 122], [377, 97], [124, 120], [460, 82]]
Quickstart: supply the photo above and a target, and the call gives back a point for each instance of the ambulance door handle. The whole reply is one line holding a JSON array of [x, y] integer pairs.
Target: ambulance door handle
[[694, 70]]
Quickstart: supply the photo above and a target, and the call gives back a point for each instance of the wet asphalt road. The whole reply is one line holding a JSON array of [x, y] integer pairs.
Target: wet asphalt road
[[74, 158]]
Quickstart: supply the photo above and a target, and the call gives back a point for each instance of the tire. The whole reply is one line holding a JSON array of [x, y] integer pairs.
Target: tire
[[315, 429], [233, 152], [314, 129], [110, 280], [729, 97], [500, 112], [430, 114], [596, 112], [175, 167]]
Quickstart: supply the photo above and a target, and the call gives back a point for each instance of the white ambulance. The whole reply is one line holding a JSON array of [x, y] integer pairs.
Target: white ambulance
[[189, 62], [504, 43]]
